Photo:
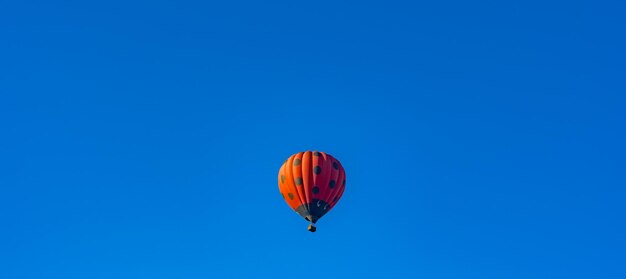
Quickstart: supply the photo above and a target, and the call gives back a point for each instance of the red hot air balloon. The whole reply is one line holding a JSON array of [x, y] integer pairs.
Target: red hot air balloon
[[311, 182]]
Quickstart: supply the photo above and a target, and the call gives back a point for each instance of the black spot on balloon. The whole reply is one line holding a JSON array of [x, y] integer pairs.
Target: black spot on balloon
[[317, 169], [299, 181], [335, 199], [331, 184], [316, 190], [316, 153], [296, 162], [335, 165], [282, 178], [290, 195], [344, 182]]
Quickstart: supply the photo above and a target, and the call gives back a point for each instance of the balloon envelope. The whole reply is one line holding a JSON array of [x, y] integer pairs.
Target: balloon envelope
[[312, 183]]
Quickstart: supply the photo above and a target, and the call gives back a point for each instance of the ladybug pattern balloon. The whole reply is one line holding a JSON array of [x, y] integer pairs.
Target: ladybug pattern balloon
[[312, 183]]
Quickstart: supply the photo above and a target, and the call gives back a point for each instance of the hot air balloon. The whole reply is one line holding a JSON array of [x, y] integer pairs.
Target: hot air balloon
[[311, 182]]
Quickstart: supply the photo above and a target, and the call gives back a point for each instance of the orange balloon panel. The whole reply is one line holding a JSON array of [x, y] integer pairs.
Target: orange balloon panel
[[311, 183]]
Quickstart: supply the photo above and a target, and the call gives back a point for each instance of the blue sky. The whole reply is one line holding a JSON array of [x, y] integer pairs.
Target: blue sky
[[142, 139]]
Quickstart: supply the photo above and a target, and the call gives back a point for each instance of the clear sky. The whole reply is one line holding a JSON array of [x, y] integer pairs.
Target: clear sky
[[481, 139]]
